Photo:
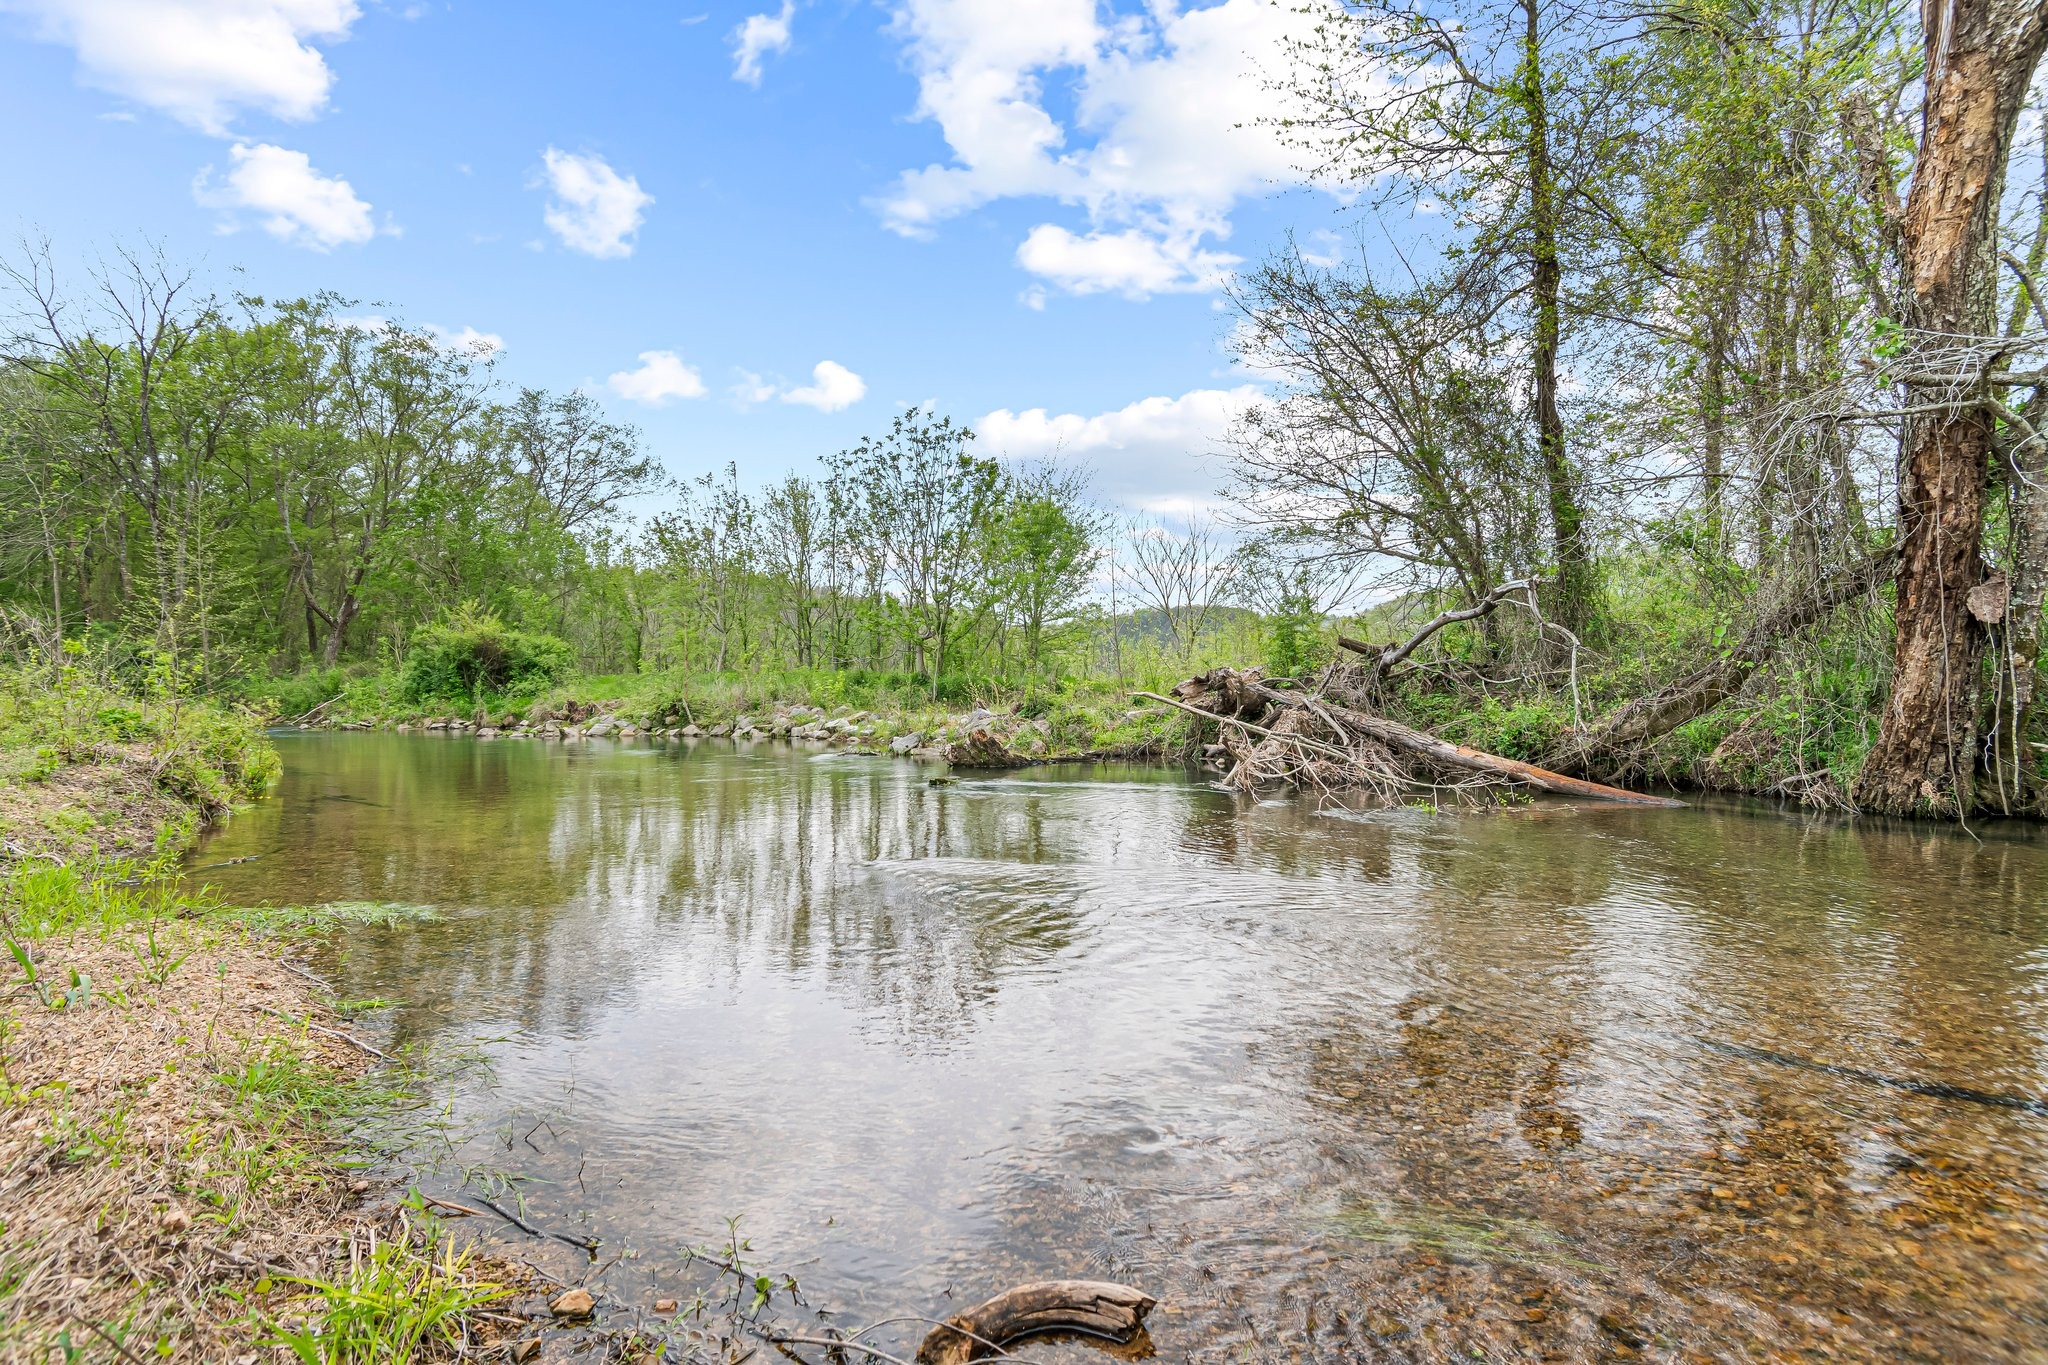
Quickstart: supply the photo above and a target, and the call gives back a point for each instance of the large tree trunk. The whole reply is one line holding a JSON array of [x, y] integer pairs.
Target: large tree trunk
[[1981, 56]]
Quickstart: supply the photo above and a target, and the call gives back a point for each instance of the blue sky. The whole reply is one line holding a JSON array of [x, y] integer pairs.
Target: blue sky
[[755, 231]]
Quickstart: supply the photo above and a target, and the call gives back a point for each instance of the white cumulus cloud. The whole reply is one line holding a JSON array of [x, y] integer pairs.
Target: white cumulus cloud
[[661, 378], [593, 209], [201, 60], [1163, 140], [290, 200], [758, 36], [1153, 454], [833, 388], [1133, 262]]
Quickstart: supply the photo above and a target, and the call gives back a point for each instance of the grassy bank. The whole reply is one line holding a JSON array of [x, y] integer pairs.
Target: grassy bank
[[1799, 733], [1041, 720], [174, 1183]]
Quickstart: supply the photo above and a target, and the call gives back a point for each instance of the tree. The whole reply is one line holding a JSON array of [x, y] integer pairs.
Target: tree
[[927, 505], [1183, 575], [1981, 56], [1046, 556], [124, 371], [1747, 279], [369, 421], [1384, 443], [45, 490], [1511, 116], [579, 465], [796, 549], [711, 548]]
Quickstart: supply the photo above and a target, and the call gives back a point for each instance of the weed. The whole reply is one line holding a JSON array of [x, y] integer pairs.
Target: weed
[[157, 964], [394, 1300], [76, 1139], [319, 919]]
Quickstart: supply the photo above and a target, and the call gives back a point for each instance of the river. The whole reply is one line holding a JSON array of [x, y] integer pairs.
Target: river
[[1556, 1082]]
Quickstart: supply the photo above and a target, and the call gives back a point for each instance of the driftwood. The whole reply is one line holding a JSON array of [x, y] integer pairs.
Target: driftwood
[[302, 719], [1093, 1308], [1367, 750]]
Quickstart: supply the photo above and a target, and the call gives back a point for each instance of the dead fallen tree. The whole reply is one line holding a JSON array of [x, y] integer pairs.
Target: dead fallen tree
[[1609, 746], [1280, 736]]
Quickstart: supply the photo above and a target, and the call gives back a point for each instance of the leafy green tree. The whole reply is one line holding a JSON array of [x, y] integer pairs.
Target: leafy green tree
[[1513, 118], [1047, 558], [927, 505]]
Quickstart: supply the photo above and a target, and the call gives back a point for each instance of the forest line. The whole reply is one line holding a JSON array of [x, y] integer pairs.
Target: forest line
[[1730, 341]]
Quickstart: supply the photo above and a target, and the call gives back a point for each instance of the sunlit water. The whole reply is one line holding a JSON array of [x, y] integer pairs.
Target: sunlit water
[[1332, 1084]]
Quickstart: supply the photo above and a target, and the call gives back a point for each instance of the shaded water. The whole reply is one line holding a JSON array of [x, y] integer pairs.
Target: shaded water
[[1536, 1084]]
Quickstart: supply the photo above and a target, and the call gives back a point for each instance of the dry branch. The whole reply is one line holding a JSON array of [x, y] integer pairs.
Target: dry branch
[[1390, 656]]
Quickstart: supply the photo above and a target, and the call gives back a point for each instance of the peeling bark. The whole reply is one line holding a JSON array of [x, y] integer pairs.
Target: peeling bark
[[1981, 56]]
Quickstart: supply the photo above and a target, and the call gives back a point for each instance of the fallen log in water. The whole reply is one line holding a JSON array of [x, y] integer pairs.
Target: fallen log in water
[[1093, 1308], [1359, 743]]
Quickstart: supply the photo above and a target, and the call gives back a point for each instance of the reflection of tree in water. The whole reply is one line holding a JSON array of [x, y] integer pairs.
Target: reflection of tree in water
[[1476, 1108], [569, 875], [1234, 830]]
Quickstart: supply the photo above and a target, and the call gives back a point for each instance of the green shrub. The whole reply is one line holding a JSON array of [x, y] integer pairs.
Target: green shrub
[[57, 713], [288, 698], [475, 653]]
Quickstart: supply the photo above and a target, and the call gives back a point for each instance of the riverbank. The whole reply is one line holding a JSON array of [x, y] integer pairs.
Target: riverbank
[[177, 1181], [1800, 740], [839, 710]]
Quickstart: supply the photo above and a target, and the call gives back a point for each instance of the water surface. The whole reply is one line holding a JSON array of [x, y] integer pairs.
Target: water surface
[[1563, 1082]]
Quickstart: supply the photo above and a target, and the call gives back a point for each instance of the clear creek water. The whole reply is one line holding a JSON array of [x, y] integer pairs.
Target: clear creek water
[[1555, 1083]]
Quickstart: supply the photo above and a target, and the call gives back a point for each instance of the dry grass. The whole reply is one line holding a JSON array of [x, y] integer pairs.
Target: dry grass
[[161, 1146]]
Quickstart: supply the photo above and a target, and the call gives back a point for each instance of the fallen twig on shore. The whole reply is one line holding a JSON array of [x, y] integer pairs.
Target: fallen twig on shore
[[588, 1244], [348, 1038]]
